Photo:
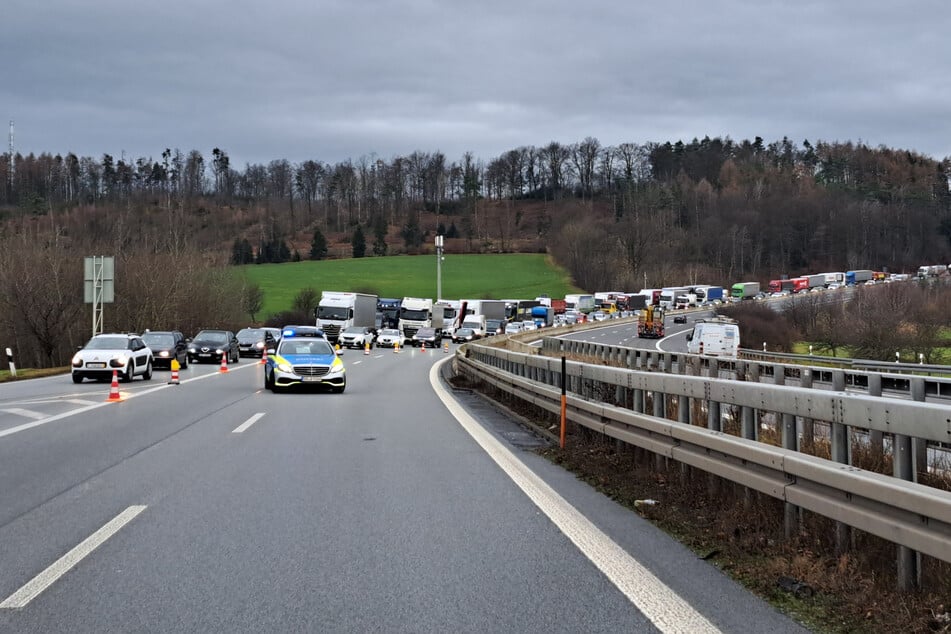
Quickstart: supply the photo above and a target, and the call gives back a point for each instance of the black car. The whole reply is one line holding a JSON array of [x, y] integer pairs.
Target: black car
[[212, 345], [167, 345], [425, 336], [252, 342], [680, 319]]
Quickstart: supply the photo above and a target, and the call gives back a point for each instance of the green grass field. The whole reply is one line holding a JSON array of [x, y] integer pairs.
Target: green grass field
[[501, 276]]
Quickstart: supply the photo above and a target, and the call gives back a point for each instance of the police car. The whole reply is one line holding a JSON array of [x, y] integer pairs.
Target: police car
[[304, 357]]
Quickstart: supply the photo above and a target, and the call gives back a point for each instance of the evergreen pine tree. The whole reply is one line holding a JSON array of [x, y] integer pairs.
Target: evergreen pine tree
[[318, 246], [359, 243]]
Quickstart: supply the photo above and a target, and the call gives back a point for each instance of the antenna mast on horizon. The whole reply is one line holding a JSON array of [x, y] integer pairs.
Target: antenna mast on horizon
[[10, 176]]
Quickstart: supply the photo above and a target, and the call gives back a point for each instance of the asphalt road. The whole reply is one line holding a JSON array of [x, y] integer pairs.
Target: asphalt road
[[398, 506]]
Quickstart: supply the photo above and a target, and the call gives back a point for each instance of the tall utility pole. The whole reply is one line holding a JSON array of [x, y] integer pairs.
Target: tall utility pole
[[439, 244], [10, 175]]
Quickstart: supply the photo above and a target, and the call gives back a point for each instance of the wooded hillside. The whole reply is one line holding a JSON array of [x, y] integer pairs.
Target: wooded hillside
[[617, 217]]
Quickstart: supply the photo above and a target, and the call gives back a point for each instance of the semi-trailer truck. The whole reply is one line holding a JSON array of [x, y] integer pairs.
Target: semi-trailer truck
[[579, 302], [339, 310], [415, 313], [858, 277], [744, 290]]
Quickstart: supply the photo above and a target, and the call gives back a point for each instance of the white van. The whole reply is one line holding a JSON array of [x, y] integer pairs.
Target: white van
[[718, 338]]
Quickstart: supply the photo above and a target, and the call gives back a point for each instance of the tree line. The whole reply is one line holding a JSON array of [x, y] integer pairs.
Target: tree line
[[620, 217]]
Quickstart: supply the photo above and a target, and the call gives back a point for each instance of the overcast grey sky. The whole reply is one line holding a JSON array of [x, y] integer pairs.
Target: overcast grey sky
[[331, 80]]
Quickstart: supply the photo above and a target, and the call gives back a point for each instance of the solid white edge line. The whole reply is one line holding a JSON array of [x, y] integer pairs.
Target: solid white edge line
[[243, 426], [13, 430], [657, 602], [61, 566]]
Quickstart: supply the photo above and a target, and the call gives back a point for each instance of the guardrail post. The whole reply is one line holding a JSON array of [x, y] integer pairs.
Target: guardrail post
[[786, 424], [683, 402], [907, 558], [920, 445], [840, 453], [714, 422], [808, 425], [876, 439]]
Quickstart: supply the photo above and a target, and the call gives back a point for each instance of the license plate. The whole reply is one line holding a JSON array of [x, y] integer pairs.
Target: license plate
[[204, 354], [95, 365], [307, 379]]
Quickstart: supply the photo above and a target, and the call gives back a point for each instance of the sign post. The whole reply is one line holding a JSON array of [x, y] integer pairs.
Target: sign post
[[98, 286]]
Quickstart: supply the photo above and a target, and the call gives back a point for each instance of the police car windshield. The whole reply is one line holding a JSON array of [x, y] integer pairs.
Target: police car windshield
[[305, 346]]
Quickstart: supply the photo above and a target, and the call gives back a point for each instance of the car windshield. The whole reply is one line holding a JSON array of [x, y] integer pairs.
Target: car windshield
[[389, 333], [426, 332], [250, 334], [213, 336], [464, 332], [158, 341], [354, 330], [305, 346], [108, 343]]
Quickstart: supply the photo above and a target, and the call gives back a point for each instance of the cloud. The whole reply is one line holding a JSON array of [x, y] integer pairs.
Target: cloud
[[337, 80]]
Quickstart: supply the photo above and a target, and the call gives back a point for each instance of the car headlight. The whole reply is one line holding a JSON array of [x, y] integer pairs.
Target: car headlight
[[259, 345], [192, 349], [283, 366], [336, 366], [219, 351], [163, 353], [77, 361]]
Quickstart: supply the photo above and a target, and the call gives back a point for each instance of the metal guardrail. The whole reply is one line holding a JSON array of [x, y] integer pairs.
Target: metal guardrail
[[915, 516], [756, 369], [857, 364]]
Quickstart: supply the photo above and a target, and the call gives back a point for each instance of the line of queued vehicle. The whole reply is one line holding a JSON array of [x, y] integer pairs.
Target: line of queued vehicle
[[132, 355]]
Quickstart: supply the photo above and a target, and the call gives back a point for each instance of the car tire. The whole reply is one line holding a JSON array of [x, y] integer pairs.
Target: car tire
[[338, 389], [77, 378], [268, 381], [147, 376], [128, 374]]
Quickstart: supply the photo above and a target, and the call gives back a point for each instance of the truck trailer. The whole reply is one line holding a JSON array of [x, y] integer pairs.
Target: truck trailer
[[858, 277], [744, 290]]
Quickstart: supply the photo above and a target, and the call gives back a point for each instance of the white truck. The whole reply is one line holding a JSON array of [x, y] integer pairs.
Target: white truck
[[580, 303], [339, 310], [418, 312], [668, 296], [476, 322], [714, 337]]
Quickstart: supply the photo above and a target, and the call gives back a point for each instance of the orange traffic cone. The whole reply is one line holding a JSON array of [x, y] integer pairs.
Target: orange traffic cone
[[366, 348], [174, 380], [114, 390], [396, 347], [424, 346], [445, 347], [224, 362], [264, 355]]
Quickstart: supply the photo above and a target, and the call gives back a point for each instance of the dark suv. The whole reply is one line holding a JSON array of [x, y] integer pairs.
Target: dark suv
[[167, 345]]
